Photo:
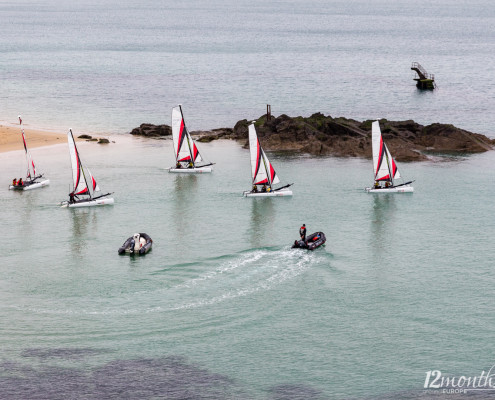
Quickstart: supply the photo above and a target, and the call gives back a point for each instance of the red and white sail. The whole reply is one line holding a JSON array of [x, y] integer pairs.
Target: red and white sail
[[29, 159], [262, 170], [78, 178], [184, 147], [384, 166], [94, 185]]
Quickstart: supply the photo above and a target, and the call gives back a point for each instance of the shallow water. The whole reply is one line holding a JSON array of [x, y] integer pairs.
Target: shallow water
[[222, 307]]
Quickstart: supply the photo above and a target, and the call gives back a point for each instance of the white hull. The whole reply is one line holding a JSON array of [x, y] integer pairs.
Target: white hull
[[200, 170], [277, 193], [92, 203], [399, 189], [36, 185]]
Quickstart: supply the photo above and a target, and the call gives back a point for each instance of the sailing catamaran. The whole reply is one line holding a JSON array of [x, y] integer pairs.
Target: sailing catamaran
[[32, 180], [82, 195], [186, 152], [262, 171], [384, 166]]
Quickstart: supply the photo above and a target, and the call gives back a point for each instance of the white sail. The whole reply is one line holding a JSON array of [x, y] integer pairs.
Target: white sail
[[262, 170], [384, 166], [184, 147], [392, 165], [78, 178], [380, 164]]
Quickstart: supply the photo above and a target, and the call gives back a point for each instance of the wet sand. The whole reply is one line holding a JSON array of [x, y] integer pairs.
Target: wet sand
[[10, 138]]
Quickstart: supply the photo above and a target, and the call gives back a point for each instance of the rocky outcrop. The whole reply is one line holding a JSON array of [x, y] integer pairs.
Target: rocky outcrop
[[154, 131], [323, 135]]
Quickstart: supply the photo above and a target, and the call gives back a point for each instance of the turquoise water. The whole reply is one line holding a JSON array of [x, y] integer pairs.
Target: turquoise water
[[222, 307]]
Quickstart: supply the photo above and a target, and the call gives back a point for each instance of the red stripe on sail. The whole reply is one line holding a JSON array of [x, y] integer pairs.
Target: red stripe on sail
[[380, 157], [394, 168], [258, 157], [195, 151], [24, 141], [85, 190], [272, 173], [188, 158], [385, 178], [34, 168], [94, 183], [78, 170], [261, 182], [181, 137]]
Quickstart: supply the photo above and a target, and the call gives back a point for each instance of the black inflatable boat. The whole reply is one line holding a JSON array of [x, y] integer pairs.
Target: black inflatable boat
[[139, 243], [312, 242]]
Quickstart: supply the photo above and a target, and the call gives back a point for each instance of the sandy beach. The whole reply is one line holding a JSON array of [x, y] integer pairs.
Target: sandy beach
[[10, 138]]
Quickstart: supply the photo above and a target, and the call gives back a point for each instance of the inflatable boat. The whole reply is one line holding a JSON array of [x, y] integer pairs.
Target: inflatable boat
[[312, 241], [139, 243]]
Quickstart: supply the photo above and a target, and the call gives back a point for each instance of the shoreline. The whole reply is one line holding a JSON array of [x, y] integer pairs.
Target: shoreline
[[10, 138]]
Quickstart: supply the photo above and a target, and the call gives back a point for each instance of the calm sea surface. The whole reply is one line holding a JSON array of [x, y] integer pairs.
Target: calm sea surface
[[108, 66], [222, 308]]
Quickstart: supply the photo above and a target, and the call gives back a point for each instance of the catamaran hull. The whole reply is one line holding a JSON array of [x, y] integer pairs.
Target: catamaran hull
[[276, 193], [399, 189], [90, 203], [35, 185], [200, 170]]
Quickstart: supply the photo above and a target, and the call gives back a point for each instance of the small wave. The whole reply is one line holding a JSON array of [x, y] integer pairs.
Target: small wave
[[231, 277]]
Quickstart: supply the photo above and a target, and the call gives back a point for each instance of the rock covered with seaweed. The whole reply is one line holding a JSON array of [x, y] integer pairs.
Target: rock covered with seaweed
[[321, 135]]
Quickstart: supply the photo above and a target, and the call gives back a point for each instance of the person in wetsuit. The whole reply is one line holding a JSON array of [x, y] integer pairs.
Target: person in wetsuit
[[302, 232]]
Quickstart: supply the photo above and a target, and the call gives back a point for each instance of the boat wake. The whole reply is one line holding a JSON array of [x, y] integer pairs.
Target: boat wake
[[204, 284]]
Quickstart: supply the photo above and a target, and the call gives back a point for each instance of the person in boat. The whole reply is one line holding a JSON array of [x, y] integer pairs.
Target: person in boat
[[377, 185], [302, 232], [263, 189], [255, 189], [72, 197], [269, 189], [20, 182], [178, 165], [388, 184], [191, 165], [14, 182]]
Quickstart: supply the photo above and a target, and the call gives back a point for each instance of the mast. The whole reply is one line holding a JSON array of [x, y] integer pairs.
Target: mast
[[29, 159]]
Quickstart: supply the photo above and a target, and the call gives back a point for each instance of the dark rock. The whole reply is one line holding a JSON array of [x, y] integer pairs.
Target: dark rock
[[84, 137], [103, 140], [324, 135], [150, 130]]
